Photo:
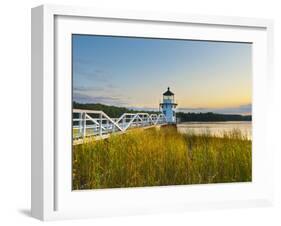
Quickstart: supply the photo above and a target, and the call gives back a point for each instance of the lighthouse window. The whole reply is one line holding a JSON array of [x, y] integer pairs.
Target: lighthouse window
[[168, 97]]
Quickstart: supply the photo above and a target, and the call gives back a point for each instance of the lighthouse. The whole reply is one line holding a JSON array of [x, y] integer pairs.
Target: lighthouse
[[168, 106]]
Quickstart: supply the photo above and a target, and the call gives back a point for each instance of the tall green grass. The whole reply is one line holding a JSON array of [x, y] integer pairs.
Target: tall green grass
[[161, 157]]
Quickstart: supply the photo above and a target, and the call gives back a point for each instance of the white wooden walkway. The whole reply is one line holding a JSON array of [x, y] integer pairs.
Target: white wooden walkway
[[98, 125]]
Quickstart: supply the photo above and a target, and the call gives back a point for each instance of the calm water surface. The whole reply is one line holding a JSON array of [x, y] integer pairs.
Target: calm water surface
[[216, 128]]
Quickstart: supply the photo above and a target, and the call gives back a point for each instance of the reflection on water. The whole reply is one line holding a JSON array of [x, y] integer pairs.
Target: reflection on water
[[216, 128]]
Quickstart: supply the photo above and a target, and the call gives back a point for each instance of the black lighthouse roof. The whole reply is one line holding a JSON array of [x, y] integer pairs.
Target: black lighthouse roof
[[168, 93]]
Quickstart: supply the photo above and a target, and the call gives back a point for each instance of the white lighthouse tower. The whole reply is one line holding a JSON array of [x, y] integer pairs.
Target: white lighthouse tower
[[168, 106]]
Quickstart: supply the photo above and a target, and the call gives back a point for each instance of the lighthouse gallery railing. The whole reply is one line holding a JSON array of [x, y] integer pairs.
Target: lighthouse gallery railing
[[88, 123]]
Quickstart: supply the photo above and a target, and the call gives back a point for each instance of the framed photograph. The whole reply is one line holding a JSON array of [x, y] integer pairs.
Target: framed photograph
[[141, 112]]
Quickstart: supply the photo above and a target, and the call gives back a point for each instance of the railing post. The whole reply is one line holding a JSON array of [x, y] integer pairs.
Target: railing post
[[80, 124], [123, 122], [107, 126], [84, 124], [100, 129]]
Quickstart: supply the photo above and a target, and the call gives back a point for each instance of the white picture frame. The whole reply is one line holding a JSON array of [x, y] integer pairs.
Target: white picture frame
[[51, 196]]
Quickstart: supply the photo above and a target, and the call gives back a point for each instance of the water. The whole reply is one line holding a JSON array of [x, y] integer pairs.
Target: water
[[216, 128]]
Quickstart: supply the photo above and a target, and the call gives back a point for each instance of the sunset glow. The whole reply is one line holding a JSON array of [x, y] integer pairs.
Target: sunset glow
[[134, 72]]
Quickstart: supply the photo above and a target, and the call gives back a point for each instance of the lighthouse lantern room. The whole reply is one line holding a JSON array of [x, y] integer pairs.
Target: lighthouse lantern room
[[168, 106]]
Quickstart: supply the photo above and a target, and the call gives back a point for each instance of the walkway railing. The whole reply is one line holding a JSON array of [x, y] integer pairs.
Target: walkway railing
[[87, 123]]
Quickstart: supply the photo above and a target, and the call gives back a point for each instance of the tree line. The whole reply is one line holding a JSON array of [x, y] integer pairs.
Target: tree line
[[211, 117], [116, 112], [111, 111]]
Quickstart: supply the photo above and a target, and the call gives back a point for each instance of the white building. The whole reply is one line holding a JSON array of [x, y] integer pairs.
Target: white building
[[168, 106]]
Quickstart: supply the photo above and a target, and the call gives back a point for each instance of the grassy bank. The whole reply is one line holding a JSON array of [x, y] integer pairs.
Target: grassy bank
[[161, 157]]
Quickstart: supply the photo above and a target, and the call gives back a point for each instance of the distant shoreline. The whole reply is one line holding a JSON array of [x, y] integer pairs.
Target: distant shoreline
[[116, 112]]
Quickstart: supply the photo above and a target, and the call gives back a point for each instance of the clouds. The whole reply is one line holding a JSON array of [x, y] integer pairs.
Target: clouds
[[107, 94], [92, 94], [78, 89], [107, 100], [134, 72], [89, 72], [93, 85]]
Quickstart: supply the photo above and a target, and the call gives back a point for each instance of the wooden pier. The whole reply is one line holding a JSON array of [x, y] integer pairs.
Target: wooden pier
[[89, 124]]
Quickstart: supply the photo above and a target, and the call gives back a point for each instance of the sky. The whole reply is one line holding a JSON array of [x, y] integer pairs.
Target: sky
[[134, 72]]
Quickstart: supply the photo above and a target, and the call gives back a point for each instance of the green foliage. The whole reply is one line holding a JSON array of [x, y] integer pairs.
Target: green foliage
[[211, 117], [161, 157], [116, 112], [111, 111]]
